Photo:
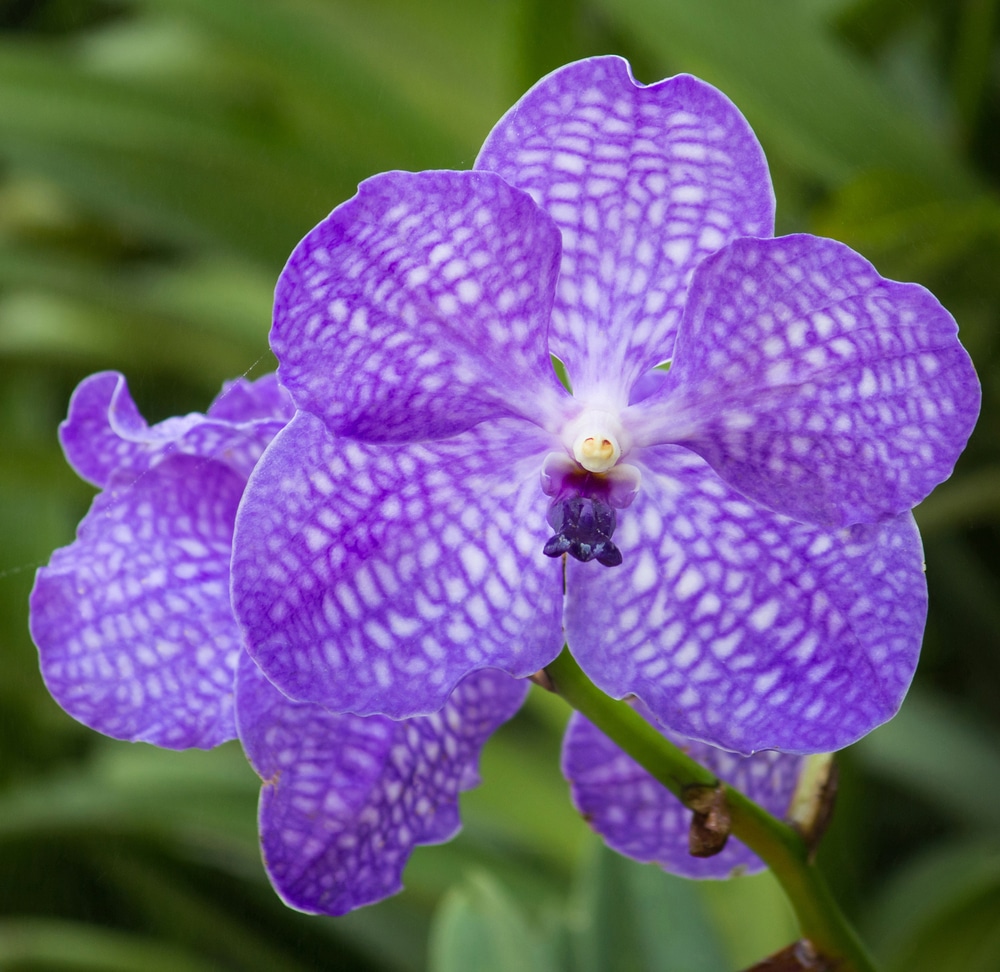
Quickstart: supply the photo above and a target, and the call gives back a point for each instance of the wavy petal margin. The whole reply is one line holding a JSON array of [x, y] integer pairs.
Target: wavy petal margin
[[813, 385], [132, 621], [346, 798]]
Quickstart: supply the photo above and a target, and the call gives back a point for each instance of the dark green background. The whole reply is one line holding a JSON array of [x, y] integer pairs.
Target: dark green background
[[158, 161]]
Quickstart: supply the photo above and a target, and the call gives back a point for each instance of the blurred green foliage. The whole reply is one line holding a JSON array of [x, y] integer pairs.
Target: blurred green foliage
[[158, 161]]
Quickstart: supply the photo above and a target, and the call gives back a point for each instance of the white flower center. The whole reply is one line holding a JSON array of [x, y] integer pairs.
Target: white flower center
[[596, 440]]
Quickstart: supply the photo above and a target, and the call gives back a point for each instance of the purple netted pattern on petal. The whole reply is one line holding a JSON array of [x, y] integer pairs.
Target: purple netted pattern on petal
[[420, 307], [745, 628], [105, 434], [371, 577], [639, 817], [346, 799], [814, 385], [137, 637], [132, 621], [644, 182]]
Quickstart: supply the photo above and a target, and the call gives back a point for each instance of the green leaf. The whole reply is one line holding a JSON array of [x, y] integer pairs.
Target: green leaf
[[962, 501], [309, 48], [206, 321], [478, 927], [940, 913], [138, 788], [751, 914], [932, 749], [636, 918], [40, 943], [182, 162]]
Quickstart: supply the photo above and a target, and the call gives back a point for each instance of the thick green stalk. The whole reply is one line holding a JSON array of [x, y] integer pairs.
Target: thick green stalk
[[821, 921]]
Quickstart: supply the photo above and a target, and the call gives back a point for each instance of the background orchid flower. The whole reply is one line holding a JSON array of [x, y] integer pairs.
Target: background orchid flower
[[137, 639], [770, 593], [638, 817]]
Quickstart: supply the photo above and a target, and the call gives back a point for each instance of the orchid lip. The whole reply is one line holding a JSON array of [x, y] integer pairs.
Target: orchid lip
[[584, 526], [583, 508]]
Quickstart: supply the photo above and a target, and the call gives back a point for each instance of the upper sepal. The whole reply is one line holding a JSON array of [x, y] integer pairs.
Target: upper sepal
[[644, 182]]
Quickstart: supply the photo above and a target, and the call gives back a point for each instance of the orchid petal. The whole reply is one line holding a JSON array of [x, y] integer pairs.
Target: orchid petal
[[132, 621], [813, 385], [243, 401], [104, 433], [346, 798], [420, 307], [371, 577], [639, 817], [644, 183], [746, 629]]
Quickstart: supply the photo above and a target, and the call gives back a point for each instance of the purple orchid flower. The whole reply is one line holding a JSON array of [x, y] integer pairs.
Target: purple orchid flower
[[638, 817], [137, 640], [439, 501]]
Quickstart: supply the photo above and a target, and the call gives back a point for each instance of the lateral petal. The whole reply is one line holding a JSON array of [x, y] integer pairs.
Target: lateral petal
[[745, 629], [813, 385], [372, 577]]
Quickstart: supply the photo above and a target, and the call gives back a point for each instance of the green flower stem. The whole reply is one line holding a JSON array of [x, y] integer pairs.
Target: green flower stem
[[821, 921]]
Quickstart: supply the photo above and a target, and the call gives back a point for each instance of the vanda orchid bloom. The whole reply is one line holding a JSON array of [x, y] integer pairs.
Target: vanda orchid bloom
[[398, 534], [137, 640]]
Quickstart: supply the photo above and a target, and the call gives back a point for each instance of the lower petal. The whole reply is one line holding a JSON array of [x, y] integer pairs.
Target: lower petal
[[346, 798], [638, 817], [371, 578], [743, 628]]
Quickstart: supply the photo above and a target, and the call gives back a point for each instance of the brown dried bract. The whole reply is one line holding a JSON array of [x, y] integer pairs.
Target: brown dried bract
[[812, 803], [798, 957], [711, 824]]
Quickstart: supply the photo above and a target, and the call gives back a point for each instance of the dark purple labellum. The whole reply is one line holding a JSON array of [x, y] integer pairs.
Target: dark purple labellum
[[583, 526]]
